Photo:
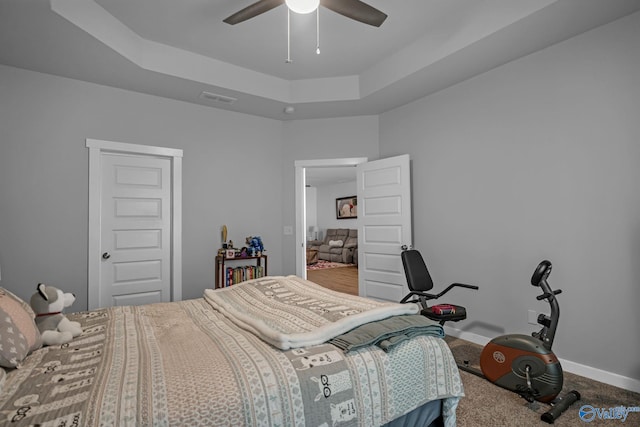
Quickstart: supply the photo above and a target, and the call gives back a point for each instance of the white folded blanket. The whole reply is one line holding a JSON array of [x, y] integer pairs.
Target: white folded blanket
[[290, 312]]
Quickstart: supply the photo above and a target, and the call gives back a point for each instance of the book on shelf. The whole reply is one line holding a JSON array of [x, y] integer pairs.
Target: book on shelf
[[234, 275]]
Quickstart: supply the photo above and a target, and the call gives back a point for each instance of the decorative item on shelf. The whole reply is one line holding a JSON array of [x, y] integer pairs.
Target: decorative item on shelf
[[224, 235], [255, 246], [227, 250]]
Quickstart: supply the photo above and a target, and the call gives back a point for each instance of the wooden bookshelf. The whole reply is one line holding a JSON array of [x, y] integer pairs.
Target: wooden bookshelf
[[230, 271]]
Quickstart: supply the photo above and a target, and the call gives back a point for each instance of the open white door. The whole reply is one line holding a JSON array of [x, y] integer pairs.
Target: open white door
[[384, 226]]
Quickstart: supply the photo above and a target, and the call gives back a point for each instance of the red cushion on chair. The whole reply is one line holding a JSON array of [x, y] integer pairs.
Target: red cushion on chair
[[458, 313]]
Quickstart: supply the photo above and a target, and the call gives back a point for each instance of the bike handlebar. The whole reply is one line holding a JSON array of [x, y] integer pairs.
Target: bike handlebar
[[547, 295]]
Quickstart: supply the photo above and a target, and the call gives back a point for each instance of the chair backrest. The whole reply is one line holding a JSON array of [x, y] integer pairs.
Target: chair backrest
[[330, 234], [415, 269]]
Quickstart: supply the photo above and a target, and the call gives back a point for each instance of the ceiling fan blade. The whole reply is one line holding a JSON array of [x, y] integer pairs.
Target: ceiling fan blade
[[355, 9], [250, 11]]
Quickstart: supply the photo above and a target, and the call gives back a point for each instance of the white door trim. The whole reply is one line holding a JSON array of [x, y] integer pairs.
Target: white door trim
[[301, 218], [96, 148]]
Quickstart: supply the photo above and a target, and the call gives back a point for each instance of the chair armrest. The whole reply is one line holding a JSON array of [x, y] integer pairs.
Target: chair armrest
[[456, 285]]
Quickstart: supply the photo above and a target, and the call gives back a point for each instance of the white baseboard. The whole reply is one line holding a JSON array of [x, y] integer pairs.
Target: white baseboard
[[567, 365], [600, 375], [469, 336]]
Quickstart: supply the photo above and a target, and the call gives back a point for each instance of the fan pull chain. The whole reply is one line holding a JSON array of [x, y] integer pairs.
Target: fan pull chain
[[288, 61], [318, 31]]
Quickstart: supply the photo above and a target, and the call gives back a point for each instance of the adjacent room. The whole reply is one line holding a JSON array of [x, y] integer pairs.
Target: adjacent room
[[150, 150], [331, 247]]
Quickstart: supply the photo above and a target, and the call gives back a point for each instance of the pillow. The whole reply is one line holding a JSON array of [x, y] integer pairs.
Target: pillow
[[335, 243], [19, 334], [22, 302]]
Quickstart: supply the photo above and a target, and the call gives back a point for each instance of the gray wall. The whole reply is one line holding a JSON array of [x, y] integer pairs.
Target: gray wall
[[235, 170], [232, 175], [537, 159], [327, 195]]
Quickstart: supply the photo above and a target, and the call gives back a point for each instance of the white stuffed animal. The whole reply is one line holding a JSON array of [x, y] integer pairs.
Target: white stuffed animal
[[54, 326]]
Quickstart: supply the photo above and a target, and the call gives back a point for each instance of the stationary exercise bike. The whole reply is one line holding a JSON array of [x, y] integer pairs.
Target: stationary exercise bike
[[526, 364]]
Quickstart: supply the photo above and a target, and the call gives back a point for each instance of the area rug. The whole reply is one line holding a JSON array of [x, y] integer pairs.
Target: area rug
[[323, 264]]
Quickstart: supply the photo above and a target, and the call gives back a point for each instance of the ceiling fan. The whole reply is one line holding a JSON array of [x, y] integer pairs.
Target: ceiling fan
[[354, 9]]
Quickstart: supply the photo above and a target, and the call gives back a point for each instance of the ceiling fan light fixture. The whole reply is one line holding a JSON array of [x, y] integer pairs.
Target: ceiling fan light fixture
[[302, 6]]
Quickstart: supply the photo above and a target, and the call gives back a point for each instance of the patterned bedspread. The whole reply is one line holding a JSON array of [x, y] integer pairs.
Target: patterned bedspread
[[185, 364]]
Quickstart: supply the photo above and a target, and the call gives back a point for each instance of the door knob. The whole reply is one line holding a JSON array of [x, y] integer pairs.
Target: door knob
[[106, 255]]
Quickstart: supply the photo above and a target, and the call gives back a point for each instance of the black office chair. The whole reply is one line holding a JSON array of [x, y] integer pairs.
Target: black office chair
[[419, 281]]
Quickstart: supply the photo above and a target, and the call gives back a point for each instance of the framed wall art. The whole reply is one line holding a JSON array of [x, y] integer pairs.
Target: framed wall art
[[347, 207]]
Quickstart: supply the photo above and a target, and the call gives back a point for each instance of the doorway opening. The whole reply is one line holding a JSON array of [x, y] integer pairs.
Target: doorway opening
[[384, 226], [314, 216]]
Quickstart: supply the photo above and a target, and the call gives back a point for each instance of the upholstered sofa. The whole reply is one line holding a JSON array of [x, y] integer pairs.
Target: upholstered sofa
[[338, 245]]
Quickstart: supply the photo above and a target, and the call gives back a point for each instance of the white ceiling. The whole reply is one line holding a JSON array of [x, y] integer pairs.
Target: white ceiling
[[178, 49]]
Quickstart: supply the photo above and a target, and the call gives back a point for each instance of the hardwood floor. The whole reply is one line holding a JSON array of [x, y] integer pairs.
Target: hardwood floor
[[343, 279]]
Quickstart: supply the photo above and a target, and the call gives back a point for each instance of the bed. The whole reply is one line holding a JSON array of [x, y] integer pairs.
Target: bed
[[212, 362]]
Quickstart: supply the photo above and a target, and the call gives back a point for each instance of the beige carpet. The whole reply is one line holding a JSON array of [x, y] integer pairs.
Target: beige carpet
[[488, 405]]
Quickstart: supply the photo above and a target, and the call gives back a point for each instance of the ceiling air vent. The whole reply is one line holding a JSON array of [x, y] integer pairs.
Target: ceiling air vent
[[218, 98]]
